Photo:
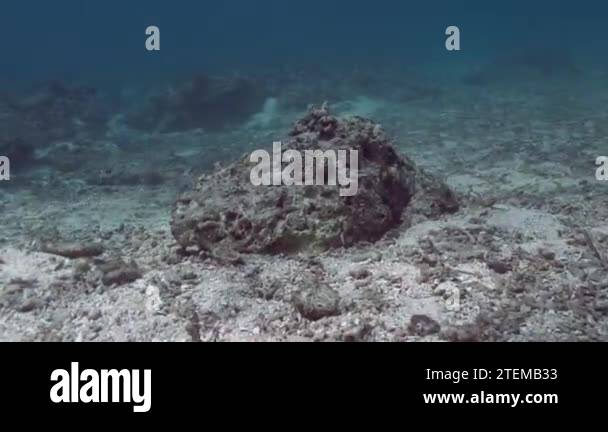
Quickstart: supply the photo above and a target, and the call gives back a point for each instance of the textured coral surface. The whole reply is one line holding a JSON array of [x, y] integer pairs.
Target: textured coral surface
[[227, 211]]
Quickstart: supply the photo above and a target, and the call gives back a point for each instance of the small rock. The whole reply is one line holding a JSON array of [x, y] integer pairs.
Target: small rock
[[188, 276], [423, 325], [95, 315], [499, 267], [360, 273], [467, 333], [602, 306], [120, 273], [29, 305], [431, 259], [376, 257], [24, 283], [10, 294], [361, 284], [518, 288], [546, 254], [358, 334], [362, 257], [597, 277], [74, 250], [316, 301], [121, 277]]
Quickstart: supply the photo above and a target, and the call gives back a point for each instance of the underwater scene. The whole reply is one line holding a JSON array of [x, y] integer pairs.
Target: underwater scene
[[304, 171]]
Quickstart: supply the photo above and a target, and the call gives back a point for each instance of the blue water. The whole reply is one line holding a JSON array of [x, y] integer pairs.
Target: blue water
[[105, 40]]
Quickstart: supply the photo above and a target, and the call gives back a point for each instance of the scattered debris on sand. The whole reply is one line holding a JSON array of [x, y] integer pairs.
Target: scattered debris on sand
[[500, 237]]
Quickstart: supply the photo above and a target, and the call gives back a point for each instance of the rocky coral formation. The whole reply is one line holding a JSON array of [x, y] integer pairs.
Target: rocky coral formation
[[58, 111], [53, 113], [227, 213], [202, 103]]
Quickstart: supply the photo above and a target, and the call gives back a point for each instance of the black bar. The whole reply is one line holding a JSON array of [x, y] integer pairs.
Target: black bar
[[249, 377]]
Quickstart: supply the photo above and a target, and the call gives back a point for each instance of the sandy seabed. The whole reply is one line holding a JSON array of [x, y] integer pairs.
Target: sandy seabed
[[523, 260]]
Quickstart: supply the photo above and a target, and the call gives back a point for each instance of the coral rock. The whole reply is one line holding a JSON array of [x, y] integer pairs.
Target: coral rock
[[227, 210], [316, 300]]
